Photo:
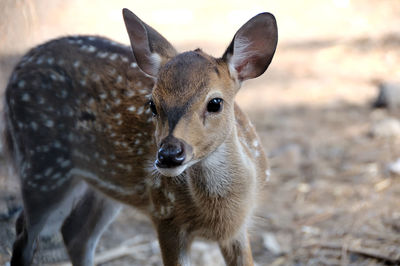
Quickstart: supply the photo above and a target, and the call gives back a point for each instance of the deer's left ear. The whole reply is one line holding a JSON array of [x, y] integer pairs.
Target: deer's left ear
[[150, 48], [253, 47]]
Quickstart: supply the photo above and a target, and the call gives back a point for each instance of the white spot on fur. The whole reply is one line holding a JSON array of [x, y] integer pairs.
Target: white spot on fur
[[53, 77], [56, 176], [133, 65], [113, 57], [21, 84], [64, 94], [102, 54], [34, 125], [65, 163], [255, 143], [130, 94], [85, 71], [112, 71], [39, 61], [41, 100], [48, 171], [57, 144], [91, 49], [171, 196], [96, 77], [49, 123], [26, 97], [76, 64], [131, 108]]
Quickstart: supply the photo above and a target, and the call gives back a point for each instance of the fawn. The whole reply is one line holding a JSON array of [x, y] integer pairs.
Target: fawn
[[91, 125]]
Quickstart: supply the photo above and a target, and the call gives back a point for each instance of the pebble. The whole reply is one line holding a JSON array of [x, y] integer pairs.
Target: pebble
[[394, 167], [388, 96], [386, 128], [271, 244]]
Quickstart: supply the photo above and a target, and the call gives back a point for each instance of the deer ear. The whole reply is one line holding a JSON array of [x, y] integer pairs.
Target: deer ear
[[150, 48], [253, 47]]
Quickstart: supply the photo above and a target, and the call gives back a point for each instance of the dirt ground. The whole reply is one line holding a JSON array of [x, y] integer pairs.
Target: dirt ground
[[333, 197]]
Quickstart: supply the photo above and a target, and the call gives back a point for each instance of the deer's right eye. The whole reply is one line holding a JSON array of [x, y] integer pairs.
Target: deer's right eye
[[153, 108]]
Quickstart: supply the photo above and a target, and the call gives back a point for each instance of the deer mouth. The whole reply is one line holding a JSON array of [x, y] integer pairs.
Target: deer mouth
[[171, 171]]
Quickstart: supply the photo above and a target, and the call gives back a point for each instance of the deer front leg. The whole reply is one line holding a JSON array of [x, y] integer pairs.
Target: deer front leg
[[174, 244], [237, 251]]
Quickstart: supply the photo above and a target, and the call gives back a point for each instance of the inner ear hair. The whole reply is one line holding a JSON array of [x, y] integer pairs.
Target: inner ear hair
[[253, 47]]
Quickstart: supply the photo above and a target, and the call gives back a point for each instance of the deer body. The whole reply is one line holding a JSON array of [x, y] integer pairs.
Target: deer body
[[159, 131]]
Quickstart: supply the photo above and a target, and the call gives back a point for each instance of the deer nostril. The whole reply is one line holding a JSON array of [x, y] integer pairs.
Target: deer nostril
[[170, 155]]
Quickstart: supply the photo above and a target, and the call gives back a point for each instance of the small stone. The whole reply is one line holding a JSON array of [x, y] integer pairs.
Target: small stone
[[271, 244], [386, 128], [388, 96], [394, 167]]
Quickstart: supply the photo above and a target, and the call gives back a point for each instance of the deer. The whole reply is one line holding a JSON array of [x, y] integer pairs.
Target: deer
[[92, 125]]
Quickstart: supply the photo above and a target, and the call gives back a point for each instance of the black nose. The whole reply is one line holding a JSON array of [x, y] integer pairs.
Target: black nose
[[171, 153]]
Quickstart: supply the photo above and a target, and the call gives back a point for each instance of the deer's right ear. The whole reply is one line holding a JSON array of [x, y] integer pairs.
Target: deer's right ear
[[150, 48]]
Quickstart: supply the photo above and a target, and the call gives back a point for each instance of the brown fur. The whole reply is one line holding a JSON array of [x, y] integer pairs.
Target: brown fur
[[77, 109]]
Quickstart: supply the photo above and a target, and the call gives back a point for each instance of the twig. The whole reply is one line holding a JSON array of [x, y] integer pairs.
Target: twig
[[369, 252], [315, 219]]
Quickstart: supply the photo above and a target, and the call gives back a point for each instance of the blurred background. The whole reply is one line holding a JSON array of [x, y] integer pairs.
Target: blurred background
[[334, 194]]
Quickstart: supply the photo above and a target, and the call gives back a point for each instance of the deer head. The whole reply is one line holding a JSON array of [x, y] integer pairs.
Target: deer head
[[193, 96]]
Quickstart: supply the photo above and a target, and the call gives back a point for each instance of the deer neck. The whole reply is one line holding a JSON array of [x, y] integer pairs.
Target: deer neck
[[226, 172]]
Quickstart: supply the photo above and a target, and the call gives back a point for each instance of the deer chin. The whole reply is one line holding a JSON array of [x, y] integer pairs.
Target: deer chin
[[172, 171], [175, 171]]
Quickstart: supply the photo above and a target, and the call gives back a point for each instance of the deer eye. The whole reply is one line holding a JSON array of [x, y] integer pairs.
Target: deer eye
[[215, 105], [153, 107]]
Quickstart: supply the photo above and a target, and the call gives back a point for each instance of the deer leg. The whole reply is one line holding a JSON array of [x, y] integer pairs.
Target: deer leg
[[21, 240], [174, 244], [38, 214], [84, 226], [237, 251], [25, 242]]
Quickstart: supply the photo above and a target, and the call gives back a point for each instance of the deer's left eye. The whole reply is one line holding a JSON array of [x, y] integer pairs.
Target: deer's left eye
[[153, 107], [214, 105]]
